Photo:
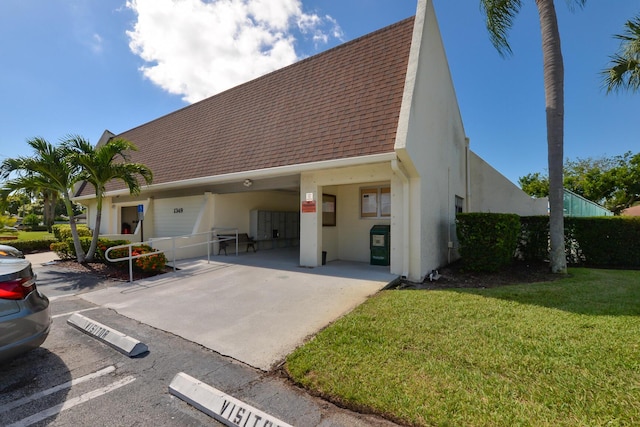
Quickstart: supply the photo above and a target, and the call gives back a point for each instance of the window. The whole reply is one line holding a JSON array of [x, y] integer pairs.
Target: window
[[375, 202], [328, 210], [459, 204]]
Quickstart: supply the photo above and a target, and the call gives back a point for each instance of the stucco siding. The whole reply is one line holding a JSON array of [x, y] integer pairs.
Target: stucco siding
[[234, 210], [431, 144], [493, 192], [176, 216]]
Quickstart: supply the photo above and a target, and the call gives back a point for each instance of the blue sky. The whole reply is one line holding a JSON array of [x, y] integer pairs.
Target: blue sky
[[83, 66]]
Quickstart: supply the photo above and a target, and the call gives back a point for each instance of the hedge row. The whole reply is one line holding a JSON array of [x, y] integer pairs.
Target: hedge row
[[30, 246], [485, 240], [62, 232]]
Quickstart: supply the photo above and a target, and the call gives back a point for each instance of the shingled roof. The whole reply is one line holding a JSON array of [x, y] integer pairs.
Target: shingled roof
[[341, 103]]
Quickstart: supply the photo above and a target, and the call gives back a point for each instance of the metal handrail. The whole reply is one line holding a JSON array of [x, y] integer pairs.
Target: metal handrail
[[174, 248]]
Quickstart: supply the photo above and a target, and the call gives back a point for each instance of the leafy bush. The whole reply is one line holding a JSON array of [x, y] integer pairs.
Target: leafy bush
[[534, 238], [31, 220], [149, 264], [488, 241], [30, 246], [608, 241], [63, 250], [62, 232]]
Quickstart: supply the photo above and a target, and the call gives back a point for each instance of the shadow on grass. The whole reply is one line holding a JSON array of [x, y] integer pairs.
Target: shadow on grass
[[584, 291]]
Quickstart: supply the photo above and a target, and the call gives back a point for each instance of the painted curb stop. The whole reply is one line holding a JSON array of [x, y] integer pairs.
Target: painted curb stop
[[121, 342], [224, 408]]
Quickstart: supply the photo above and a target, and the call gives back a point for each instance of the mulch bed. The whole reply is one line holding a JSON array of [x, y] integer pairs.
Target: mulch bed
[[455, 276], [107, 271]]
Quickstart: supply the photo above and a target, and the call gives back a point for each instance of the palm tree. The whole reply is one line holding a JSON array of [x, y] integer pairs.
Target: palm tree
[[102, 164], [500, 15], [624, 72], [48, 170]]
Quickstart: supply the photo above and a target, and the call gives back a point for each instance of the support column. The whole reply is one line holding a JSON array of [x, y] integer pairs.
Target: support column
[[310, 222]]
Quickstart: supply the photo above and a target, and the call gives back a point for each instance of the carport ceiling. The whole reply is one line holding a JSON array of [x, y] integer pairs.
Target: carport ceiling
[[281, 183]]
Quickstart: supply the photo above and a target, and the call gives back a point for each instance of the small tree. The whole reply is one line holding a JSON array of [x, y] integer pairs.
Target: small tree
[[102, 164], [48, 169]]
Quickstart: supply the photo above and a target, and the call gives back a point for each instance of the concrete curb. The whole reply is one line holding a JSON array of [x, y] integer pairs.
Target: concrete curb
[[121, 342]]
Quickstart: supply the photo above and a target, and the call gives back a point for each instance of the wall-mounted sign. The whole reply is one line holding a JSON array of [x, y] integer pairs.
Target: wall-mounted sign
[[309, 207], [309, 197], [178, 210]]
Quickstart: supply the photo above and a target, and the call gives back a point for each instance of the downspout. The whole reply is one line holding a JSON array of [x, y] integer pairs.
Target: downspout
[[467, 155], [395, 166]]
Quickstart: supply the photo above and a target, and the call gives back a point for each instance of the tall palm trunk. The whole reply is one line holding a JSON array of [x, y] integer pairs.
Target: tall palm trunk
[[554, 97], [96, 231], [74, 230]]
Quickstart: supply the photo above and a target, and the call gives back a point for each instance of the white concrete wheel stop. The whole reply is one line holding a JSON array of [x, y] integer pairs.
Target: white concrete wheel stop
[[224, 408], [121, 342]]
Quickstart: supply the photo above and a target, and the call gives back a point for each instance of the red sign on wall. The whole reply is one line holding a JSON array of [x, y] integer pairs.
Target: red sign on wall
[[309, 207]]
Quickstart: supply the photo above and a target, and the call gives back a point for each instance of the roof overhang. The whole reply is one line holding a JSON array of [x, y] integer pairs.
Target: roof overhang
[[255, 174]]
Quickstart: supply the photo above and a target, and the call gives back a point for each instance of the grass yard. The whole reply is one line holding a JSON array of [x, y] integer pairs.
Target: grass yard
[[35, 235], [563, 353]]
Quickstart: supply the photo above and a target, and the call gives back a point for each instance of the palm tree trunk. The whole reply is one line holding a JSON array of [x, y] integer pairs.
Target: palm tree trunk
[[554, 96], [96, 231], [74, 230]]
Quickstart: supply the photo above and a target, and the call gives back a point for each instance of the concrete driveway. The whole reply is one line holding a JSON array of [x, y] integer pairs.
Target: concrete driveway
[[255, 308]]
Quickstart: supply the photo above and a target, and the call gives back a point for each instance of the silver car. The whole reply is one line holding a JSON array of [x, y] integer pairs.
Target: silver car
[[25, 319]]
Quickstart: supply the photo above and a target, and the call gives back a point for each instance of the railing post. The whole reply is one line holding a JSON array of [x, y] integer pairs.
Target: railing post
[[173, 250], [130, 265], [209, 247]]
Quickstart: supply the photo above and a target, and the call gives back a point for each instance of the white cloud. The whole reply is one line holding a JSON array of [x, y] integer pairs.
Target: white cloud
[[197, 48], [96, 43]]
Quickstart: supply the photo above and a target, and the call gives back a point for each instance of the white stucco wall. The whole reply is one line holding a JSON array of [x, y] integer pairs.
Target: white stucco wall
[[493, 192], [233, 210], [431, 144]]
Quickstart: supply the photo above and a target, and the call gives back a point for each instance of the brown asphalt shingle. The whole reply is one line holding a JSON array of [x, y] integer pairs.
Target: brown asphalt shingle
[[342, 103]]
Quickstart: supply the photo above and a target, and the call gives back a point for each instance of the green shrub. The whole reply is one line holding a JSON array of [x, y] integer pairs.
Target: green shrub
[[62, 250], [149, 264], [607, 241], [533, 244], [62, 232], [30, 246], [488, 241], [31, 220]]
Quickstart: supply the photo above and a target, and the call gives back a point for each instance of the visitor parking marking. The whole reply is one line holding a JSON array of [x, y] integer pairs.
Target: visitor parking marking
[[121, 342], [224, 408]]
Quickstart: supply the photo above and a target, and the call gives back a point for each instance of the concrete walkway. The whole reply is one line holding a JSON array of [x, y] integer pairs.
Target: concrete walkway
[[255, 308]]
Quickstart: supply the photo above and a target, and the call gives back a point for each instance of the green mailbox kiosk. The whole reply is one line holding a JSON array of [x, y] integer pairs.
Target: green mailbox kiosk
[[379, 244]]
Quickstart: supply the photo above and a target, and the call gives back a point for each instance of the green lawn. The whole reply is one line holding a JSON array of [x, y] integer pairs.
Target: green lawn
[[565, 353], [35, 235]]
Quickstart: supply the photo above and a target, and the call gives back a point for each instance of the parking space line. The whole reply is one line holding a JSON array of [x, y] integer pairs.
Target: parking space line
[[55, 389], [42, 415], [72, 312]]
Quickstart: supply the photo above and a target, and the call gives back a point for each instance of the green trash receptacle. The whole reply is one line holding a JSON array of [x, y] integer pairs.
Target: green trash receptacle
[[379, 244]]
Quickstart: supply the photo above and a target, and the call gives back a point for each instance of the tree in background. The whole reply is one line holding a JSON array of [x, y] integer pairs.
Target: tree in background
[[103, 164], [624, 69], [500, 15], [613, 182], [48, 169]]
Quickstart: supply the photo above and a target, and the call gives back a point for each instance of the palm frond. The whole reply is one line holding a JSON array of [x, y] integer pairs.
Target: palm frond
[[623, 72], [500, 15]]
